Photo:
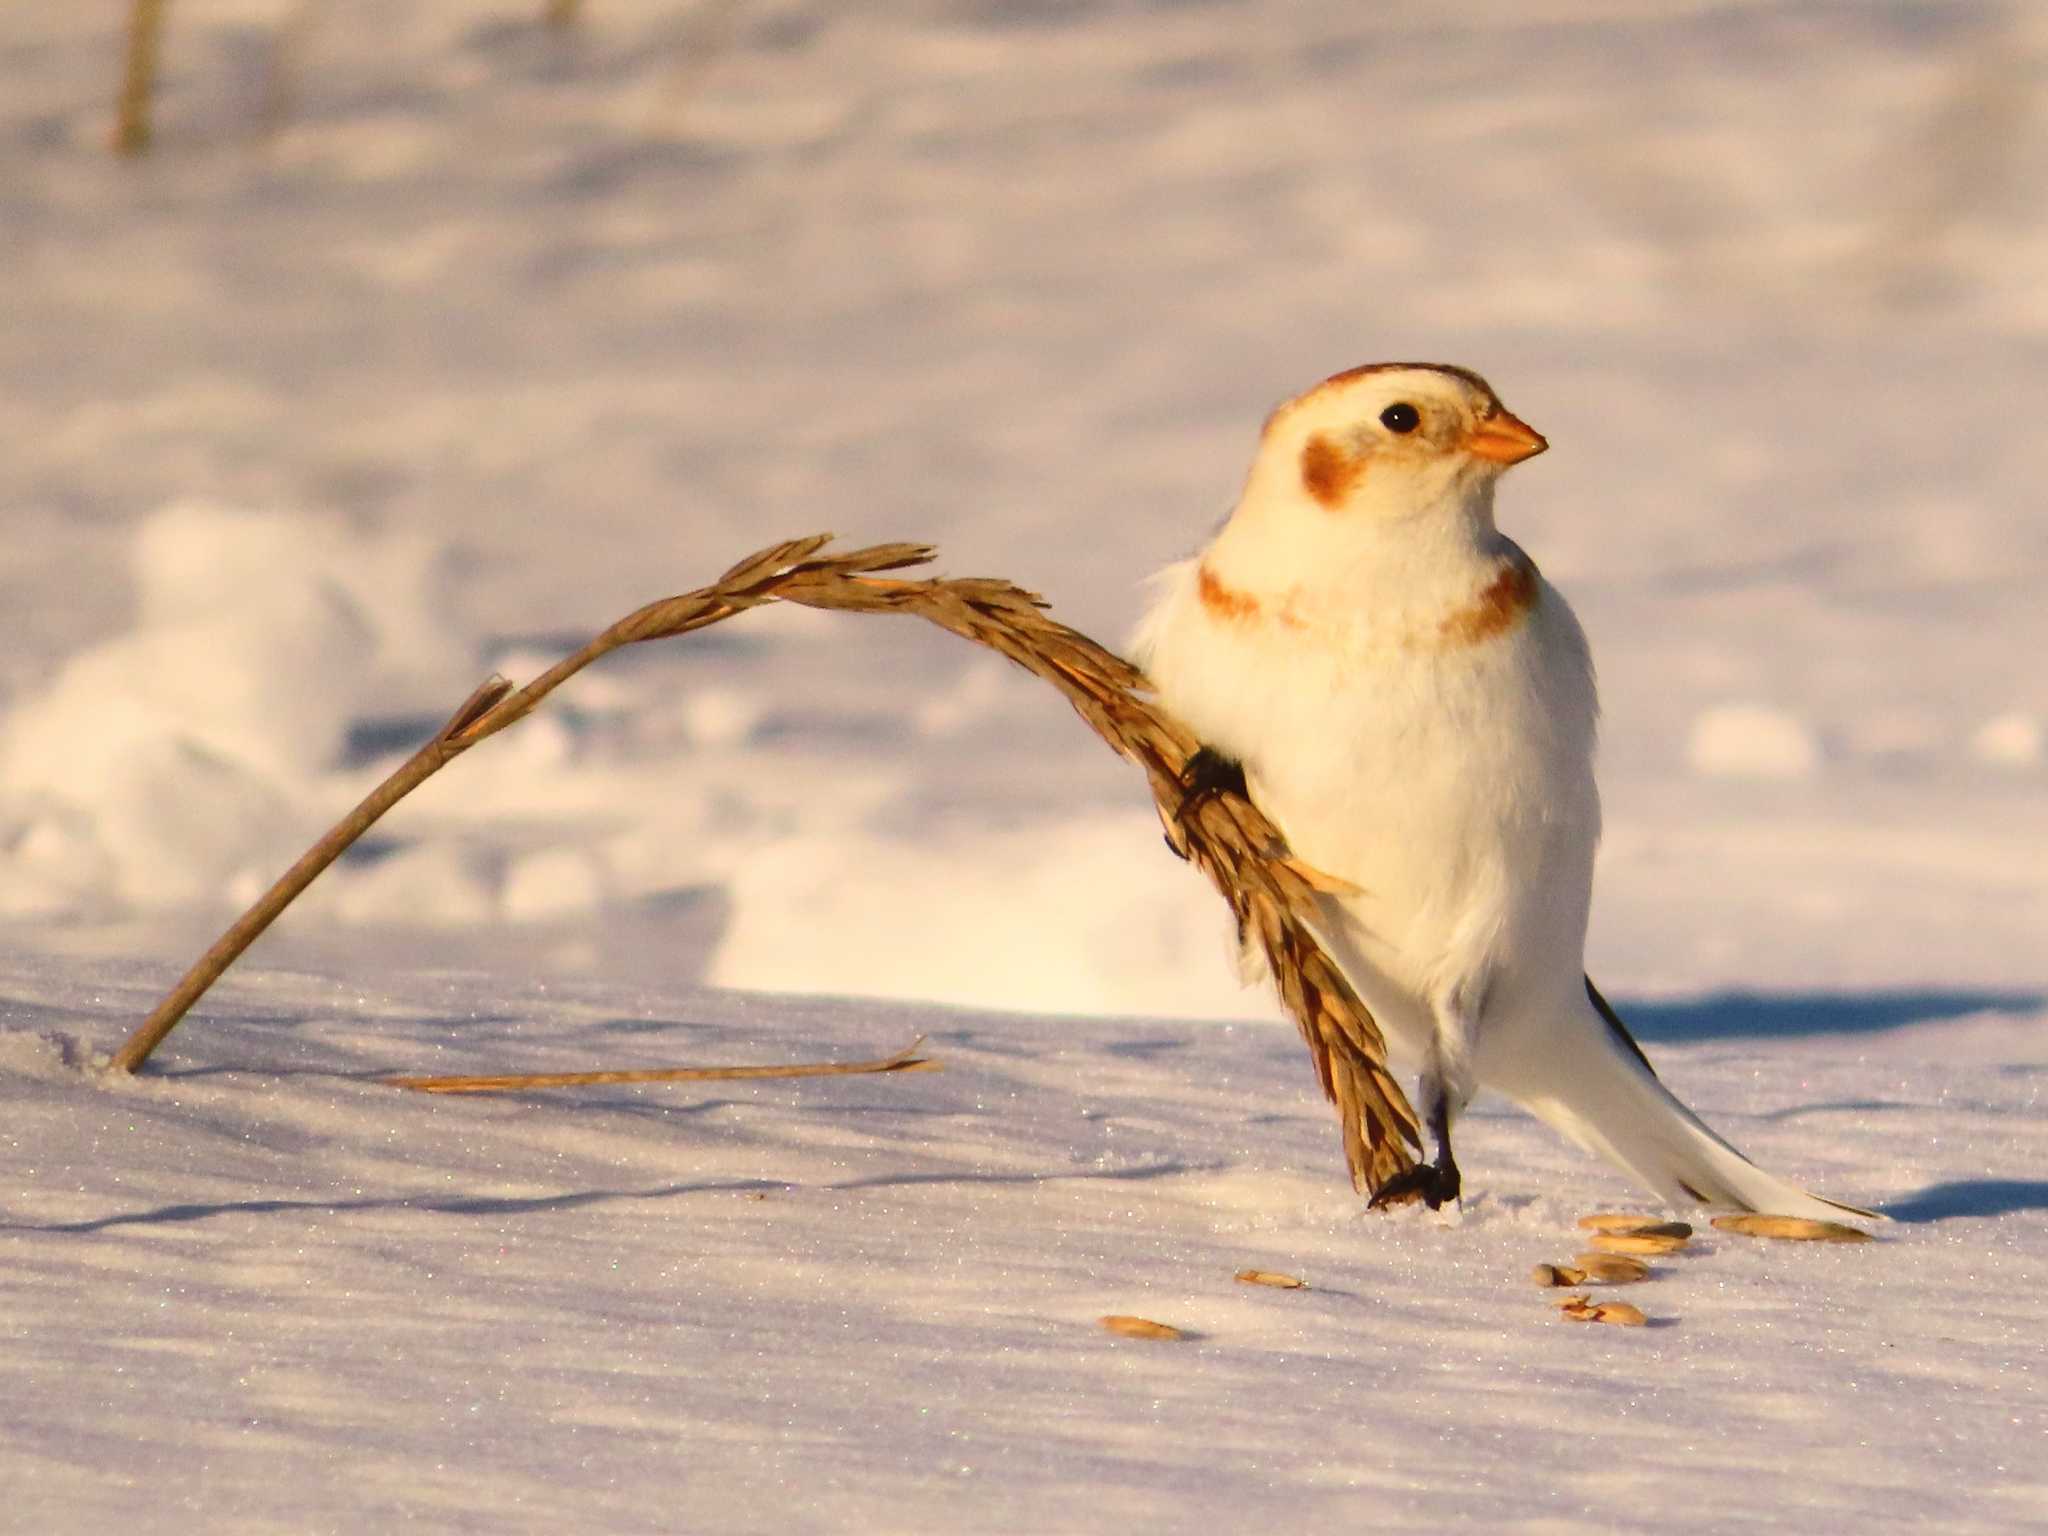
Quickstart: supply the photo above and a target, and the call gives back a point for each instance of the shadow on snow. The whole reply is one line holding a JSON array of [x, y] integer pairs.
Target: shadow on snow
[[1725, 1015], [499, 1205], [1971, 1197]]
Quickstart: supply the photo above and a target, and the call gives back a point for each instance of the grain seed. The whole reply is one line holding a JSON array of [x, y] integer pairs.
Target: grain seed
[[1647, 1243], [1140, 1327], [1796, 1228], [1271, 1277], [1612, 1268]]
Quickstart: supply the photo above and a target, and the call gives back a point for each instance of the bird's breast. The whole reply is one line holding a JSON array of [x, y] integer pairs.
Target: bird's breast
[[1437, 754], [1345, 624]]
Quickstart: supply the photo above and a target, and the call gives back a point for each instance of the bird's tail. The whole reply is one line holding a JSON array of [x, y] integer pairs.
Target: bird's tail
[[1610, 1102]]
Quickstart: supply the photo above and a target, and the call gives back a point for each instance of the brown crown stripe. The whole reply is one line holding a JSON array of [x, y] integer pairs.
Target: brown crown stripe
[[1507, 597], [1329, 473], [1366, 370]]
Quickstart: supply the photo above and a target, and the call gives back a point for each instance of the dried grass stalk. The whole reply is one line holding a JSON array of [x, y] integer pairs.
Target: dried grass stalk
[[905, 1060], [1275, 899], [138, 77]]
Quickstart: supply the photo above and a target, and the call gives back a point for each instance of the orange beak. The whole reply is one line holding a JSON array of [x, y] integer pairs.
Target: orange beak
[[1505, 439]]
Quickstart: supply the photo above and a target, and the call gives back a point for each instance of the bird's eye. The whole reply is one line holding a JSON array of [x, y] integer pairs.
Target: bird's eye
[[1400, 417]]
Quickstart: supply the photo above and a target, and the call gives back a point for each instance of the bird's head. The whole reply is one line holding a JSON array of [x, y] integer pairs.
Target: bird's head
[[1386, 443]]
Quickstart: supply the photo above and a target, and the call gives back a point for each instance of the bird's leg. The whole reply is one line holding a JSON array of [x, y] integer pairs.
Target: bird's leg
[[1208, 773], [1449, 1183], [1438, 1181]]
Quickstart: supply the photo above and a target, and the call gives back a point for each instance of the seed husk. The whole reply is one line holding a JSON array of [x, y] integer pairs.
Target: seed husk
[[1795, 1228], [1271, 1277], [1651, 1226], [1611, 1268], [1650, 1243], [1583, 1309], [1620, 1314], [1617, 1221], [1140, 1327], [1557, 1274], [1577, 1301]]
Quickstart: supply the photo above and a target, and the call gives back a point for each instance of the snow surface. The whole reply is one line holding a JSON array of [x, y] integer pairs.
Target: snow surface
[[428, 342], [258, 1290], [261, 1291]]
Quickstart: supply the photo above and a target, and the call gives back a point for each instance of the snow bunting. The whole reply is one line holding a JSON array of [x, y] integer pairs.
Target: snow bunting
[[1397, 687]]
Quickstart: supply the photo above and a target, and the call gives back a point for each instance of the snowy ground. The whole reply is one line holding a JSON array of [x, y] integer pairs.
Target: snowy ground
[[259, 1291], [428, 342]]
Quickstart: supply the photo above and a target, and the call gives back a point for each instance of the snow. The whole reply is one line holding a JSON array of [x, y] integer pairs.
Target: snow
[[259, 1289], [1752, 741], [1131, 934], [2011, 740], [428, 342]]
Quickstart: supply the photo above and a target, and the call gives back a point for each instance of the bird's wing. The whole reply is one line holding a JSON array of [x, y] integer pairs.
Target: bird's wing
[[1615, 1027]]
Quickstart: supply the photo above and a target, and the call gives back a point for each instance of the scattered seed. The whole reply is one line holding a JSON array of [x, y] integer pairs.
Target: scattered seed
[[1649, 1226], [1582, 1309], [1577, 1301], [1619, 1313], [1797, 1228], [1140, 1327], [1271, 1277], [1557, 1274], [1635, 1242], [1612, 1268], [1616, 1221]]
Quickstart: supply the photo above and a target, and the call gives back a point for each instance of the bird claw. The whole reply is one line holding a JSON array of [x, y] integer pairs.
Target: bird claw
[[1207, 775], [1435, 1184]]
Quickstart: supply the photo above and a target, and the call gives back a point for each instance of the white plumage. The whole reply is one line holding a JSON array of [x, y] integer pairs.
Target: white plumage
[[1413, 706]]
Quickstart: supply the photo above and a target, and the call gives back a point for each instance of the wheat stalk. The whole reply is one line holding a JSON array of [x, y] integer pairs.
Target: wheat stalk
[[1277, 901]]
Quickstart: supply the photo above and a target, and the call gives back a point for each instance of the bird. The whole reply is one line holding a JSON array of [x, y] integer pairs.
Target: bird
[[1391, 680]]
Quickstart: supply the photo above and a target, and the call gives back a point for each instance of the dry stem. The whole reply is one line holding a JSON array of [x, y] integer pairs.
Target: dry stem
[[1276, 901], [138, 77], [905, 1060]]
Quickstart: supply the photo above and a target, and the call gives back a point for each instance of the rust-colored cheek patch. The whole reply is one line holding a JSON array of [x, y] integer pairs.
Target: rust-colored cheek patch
[[1497, 609], [1328, 472], [1224, 602]]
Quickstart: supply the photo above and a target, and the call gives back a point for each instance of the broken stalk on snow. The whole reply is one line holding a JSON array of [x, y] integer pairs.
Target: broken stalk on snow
[[905, 1060]]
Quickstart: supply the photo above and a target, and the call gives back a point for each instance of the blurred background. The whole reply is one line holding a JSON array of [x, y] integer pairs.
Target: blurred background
[[428, 337]]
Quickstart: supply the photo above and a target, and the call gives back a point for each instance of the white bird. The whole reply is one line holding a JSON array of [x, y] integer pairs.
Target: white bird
[[1412, 704]]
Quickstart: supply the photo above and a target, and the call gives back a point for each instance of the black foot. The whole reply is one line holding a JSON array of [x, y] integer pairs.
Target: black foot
[[1207, 774], [1438, 1183]]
